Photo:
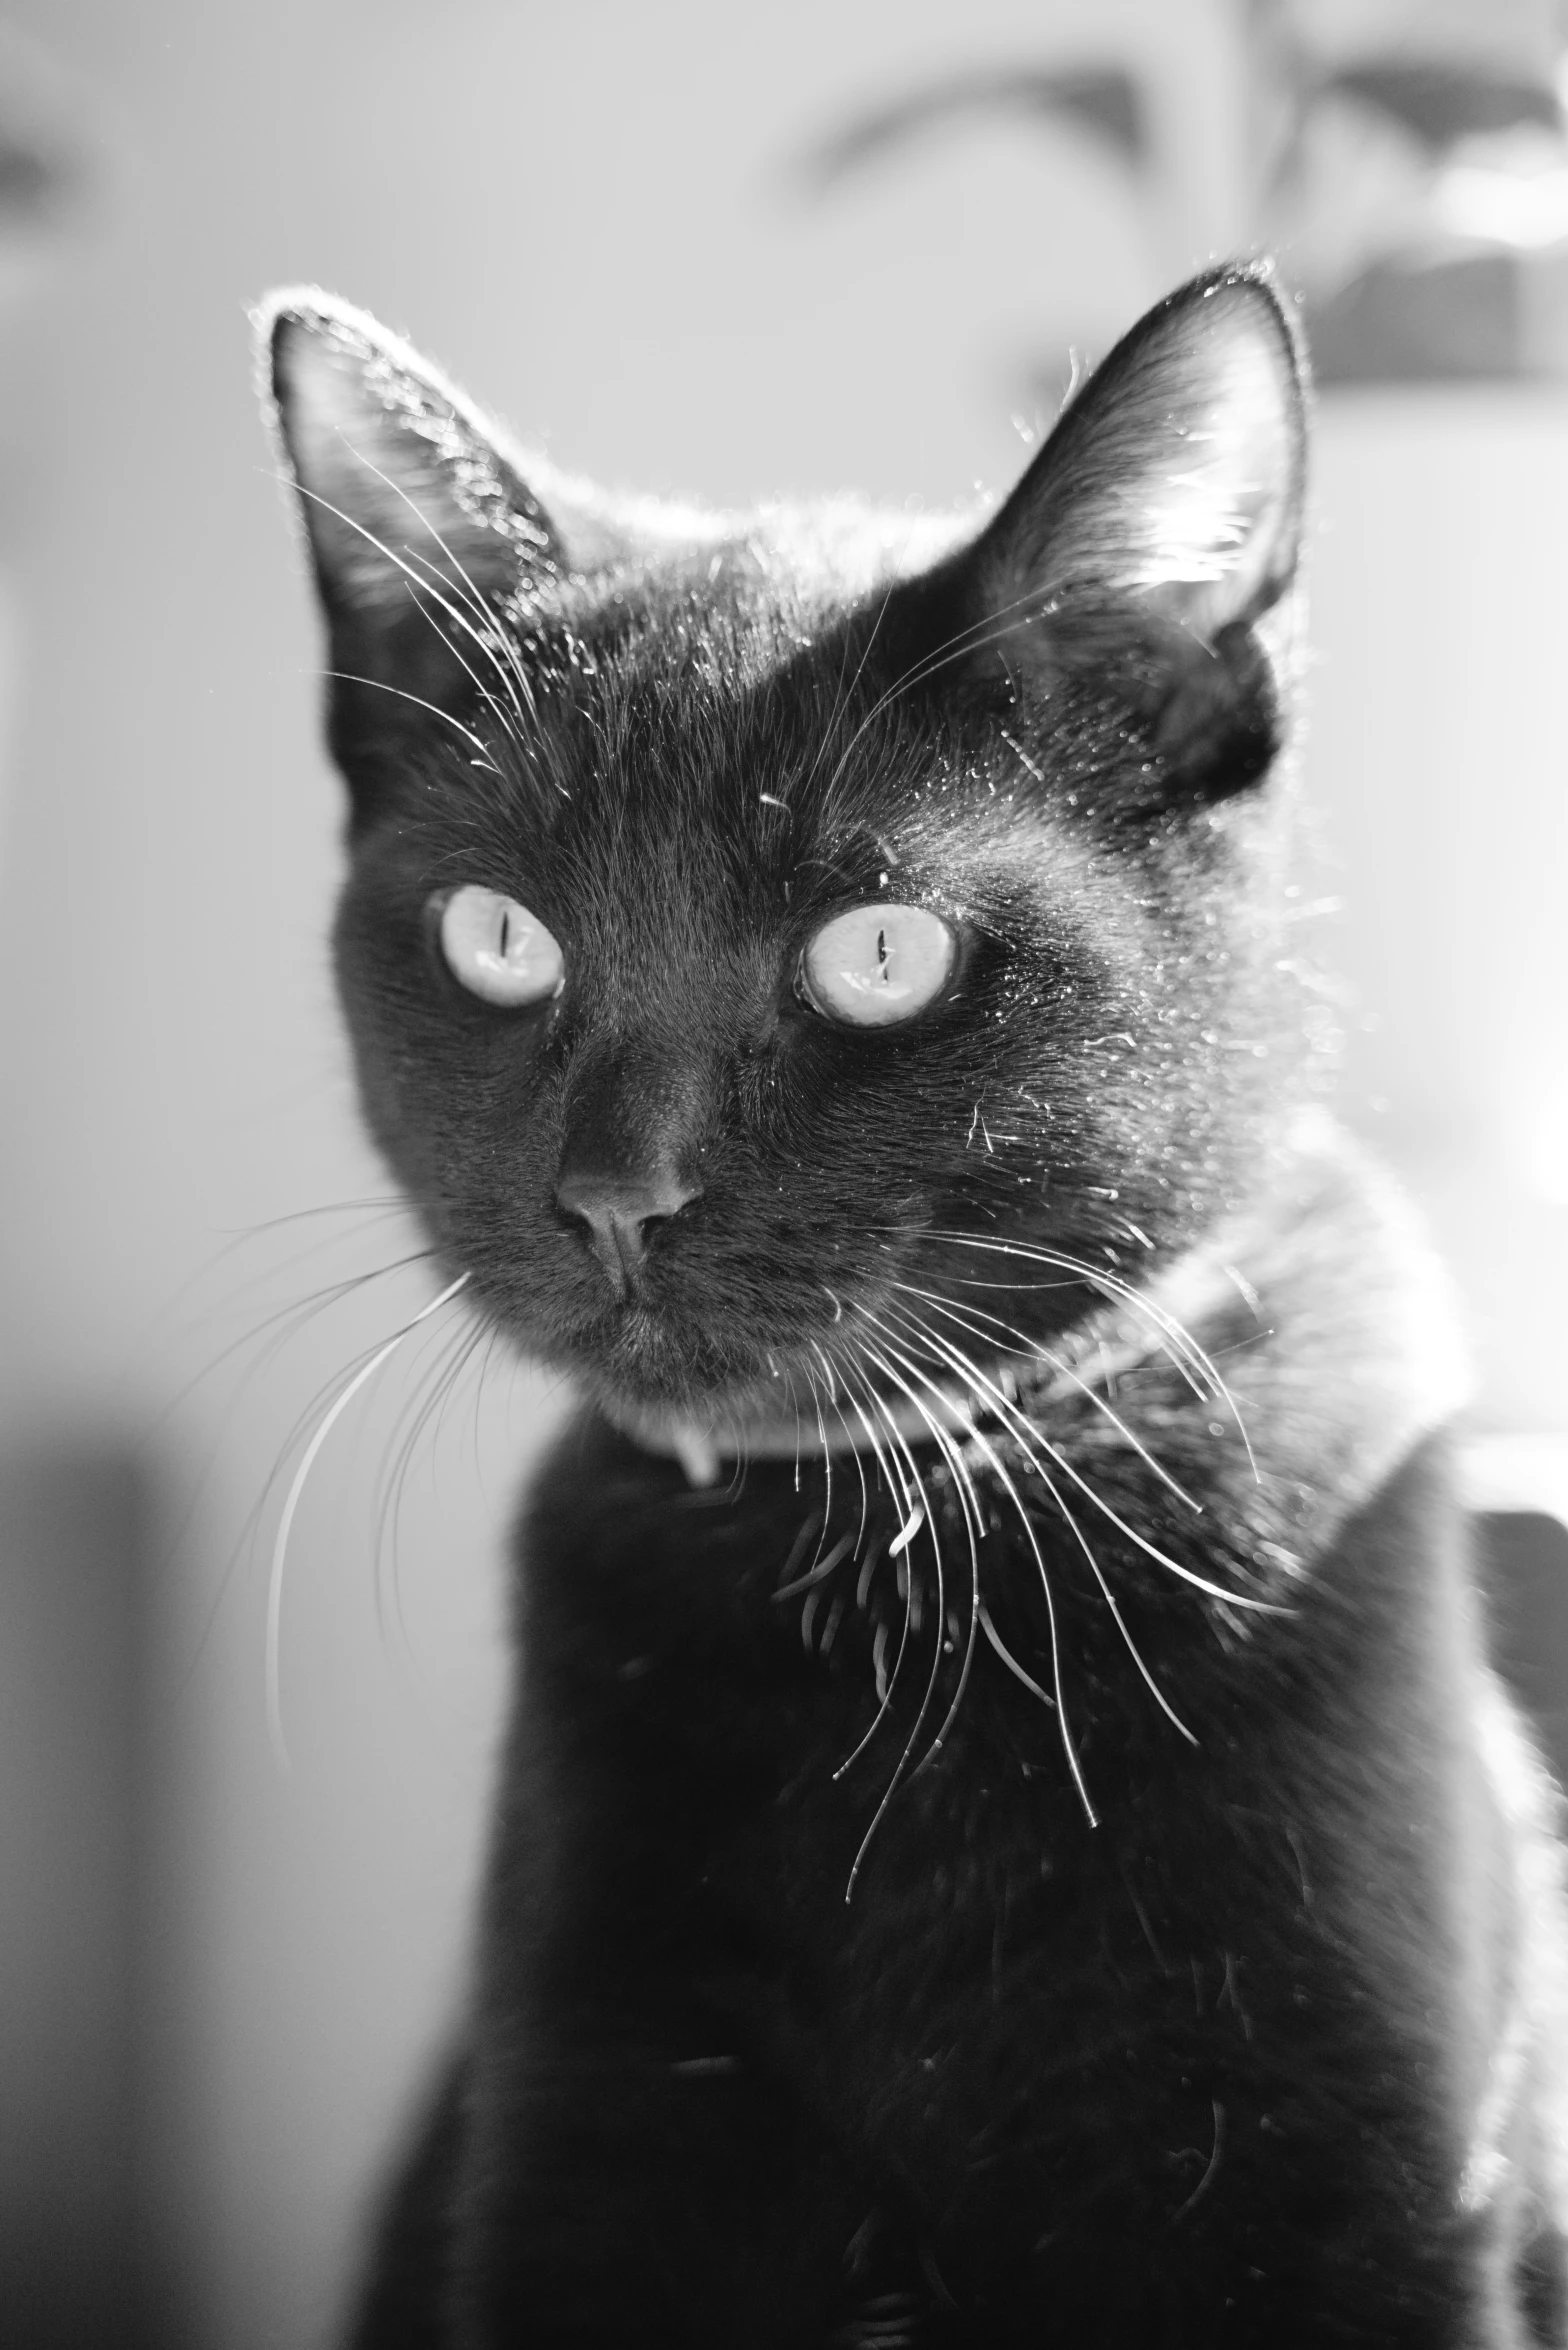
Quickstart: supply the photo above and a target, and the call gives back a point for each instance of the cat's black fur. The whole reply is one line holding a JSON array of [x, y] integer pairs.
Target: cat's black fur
[[1175, 1962]]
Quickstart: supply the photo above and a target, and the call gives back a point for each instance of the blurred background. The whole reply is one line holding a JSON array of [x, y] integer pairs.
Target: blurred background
[[685, 246]]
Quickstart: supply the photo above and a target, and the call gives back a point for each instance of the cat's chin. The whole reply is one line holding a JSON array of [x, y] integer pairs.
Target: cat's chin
[[671, 1397], [724, 1408], [750, 1421]]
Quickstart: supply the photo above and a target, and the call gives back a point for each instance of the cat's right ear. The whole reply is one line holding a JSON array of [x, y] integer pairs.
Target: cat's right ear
[[420, 529]]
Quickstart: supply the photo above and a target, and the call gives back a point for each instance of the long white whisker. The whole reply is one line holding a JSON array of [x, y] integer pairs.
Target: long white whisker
[[432, 1392], [1029, 1436], [879, 1363], [901, 1446], [886, 1693], [510, 669], [424, 588], [489, 637], [1183, 1347], [1063, 1730], [992, 629], [973, 1527], [291, 1504], [1109, 1596], [820, 1567], [865, 1498], [845, 693], [379, 685], [823, 1446], [1011, 1662], [1034, 1350], [999, 1469]]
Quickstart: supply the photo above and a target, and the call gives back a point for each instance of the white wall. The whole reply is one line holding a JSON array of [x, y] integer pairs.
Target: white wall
[[586, 213], [1439, 764]]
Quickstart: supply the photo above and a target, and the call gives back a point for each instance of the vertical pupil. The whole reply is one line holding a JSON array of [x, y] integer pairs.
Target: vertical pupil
[[881, 946], [506, 931]]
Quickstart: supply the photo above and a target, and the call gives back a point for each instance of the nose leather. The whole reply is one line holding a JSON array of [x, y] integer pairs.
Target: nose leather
[[617, 1210]]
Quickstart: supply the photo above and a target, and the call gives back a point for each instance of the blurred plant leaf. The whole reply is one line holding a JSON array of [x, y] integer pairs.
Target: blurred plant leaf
[[1104, 101], [1441, 104]]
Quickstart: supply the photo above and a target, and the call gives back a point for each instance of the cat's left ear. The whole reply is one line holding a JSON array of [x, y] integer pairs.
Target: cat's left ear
[[1176, 476], [1165, 510]]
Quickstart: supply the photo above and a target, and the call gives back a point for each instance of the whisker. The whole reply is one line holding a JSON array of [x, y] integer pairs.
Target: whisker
[[1004, 1479], [989, 1453], [380, 686], [1034, 1350], [1029, 1436], [901, 1447], [810, 1528], [1012, 1664], [816, 1574], [974, 1530], [844, 695], [865, 1499], [992, 628], [1185, 1349], [489, 637], [1109, 1597], [424, 589], [291, 1504], [507, 661], [433, 1388], [824, 1448], [284, 1325], [885, 1693]]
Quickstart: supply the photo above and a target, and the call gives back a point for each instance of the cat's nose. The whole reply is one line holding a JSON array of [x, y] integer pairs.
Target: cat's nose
[[617, 1211]]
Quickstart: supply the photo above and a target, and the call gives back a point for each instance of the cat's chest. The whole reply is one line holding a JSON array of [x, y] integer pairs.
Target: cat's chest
[[963, 1988], [878, 1850]]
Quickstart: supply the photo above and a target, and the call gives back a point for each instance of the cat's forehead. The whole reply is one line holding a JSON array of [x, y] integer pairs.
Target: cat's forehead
[[763, 729]]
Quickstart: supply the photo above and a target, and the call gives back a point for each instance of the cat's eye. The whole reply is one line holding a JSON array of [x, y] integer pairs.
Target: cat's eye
[[875, 965], [498, 949]]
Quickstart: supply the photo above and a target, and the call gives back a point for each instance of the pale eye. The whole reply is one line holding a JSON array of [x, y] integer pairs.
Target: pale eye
[[498, 949], [878, 964]]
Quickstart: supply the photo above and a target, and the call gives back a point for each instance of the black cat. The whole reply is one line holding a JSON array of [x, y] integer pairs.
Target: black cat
[[1007, 1835]]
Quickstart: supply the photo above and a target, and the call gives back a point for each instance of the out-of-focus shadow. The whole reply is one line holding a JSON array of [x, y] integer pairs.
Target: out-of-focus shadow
[[72, 1586]]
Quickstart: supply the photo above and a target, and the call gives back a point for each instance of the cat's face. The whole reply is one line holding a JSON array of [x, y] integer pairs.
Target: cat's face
[[760, 931]]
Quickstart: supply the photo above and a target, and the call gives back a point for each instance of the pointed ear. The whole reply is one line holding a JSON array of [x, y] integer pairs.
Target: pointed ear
[[1142, 561], [404, 488], [424, 538], [1174, 482]]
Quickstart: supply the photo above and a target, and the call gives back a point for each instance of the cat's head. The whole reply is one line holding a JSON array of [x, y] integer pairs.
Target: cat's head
[[780, 947]]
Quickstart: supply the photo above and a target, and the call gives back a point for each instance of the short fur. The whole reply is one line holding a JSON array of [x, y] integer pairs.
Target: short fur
[[1031, 1848]]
